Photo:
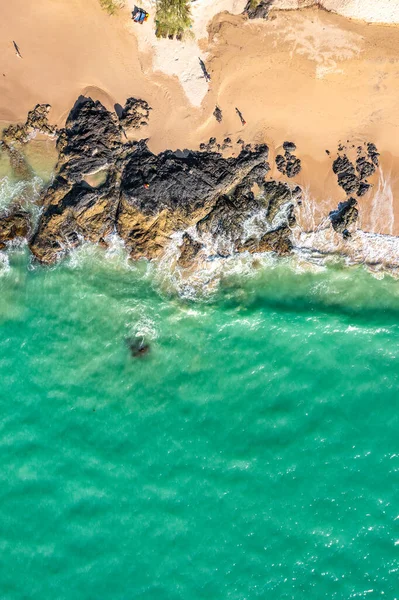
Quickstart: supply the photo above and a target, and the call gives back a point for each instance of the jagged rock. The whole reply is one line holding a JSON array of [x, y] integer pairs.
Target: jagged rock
[[278, 240], [217, 113], [37, 121], [288, 164], [289, 147], [346, 171], [363, 188], [135, 114], [373, 153], [15, 223], [228, 215], [364, 168], [258, 9], [293, 166], [345, 215], [72, 213], [277, 194], [188, 251], [90, 141], [152, 183]]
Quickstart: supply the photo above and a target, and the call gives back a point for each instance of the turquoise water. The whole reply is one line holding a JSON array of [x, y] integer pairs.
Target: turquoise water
[[253, 453]]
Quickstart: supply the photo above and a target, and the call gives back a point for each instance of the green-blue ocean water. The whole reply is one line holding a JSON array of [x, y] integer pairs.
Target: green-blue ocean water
[[252, 453]]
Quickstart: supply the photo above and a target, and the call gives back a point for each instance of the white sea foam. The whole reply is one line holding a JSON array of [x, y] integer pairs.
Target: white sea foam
[[24, 192]]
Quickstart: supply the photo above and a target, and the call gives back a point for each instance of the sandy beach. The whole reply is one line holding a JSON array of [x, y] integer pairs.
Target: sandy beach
[[311, 76]]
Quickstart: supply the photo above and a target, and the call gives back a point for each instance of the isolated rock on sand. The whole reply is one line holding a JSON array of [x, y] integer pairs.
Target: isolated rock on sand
[[146, 197], [15, 223], [352, 176], [217, 113], [344, 216], [288, 164]]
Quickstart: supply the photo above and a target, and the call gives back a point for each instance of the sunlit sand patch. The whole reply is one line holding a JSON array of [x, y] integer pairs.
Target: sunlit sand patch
[[318, 40]]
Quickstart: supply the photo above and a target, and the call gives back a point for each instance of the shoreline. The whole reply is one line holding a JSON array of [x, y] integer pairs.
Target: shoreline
[[192, 207], [308, 76]]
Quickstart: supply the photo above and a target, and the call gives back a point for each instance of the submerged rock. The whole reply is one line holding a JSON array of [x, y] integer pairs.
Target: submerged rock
[[14, 224], [278, 241], [188, 251]]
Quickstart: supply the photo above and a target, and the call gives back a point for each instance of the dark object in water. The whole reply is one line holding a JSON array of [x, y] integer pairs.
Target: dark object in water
[[138, 347], [204, 71]]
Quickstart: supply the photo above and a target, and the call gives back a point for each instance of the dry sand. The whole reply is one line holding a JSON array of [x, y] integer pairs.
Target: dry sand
[[309, 76]]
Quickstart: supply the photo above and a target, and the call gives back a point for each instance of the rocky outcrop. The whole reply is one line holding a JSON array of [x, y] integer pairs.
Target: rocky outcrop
[[135, 114], [37, 121], [146, 198], [71, 214], [352, 176], [258, 9], [288, 164], [278, 240], [90, 141], [344, 216], [189, 250], [15, 223]]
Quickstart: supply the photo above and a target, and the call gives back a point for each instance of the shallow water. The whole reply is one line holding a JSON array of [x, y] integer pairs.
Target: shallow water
[[253, 453]]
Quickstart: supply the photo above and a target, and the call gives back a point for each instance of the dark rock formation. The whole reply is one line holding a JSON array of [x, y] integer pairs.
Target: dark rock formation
[[72, 213], [135, 114], [373, 153], [37, 121], [345, 215], [364, 167], [277, 195], [258, 9], [90, 141], [188, 251], [289, 147], [288, 164], [146, 197], [217, 113], [14, 223], [138, 347], [345, 172], [277, 240], [352, 177]]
